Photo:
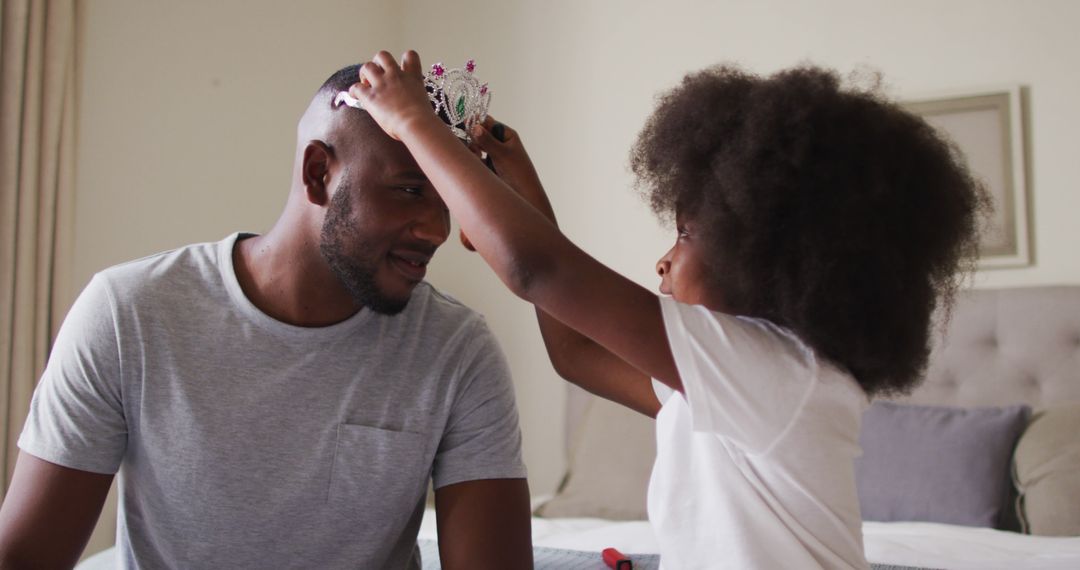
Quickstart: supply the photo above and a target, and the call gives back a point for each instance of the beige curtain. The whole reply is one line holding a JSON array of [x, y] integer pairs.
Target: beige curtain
[[37, 143]]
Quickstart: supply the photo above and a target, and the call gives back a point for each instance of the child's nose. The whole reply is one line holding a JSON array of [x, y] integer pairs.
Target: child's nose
[[663, 267]]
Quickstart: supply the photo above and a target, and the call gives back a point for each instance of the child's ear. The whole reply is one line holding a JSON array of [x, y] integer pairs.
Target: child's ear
[[315, 171]]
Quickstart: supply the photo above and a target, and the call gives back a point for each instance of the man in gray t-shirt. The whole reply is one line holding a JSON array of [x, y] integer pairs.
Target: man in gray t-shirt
[[281, 401]]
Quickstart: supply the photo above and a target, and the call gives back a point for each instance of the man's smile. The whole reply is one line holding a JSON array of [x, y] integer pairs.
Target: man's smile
[[411, 264]]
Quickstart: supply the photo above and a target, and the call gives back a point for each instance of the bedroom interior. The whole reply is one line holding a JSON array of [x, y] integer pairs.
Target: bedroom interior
[[173, 142]]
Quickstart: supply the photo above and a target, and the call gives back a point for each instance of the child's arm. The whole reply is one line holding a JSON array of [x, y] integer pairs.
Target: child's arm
[[576, 358], [526, 250]]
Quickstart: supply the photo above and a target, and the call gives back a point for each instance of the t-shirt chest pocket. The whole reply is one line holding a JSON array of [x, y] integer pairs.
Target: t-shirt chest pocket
[[378, 472]]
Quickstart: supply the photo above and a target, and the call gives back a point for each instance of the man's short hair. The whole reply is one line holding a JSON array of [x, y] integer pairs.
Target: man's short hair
[[342, 79]]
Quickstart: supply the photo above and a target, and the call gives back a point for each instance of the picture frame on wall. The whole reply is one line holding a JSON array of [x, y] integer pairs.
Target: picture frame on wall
[[988, 127]]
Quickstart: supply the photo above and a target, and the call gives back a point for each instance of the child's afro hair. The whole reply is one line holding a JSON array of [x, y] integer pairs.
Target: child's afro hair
[[827, 210]]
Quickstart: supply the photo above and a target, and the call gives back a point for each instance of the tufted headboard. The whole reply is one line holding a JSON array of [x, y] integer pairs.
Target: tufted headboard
[[1001, 346], [1007, 346]]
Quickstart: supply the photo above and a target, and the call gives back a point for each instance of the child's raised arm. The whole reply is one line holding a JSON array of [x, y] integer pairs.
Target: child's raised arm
[[526, 250], [575, 357]]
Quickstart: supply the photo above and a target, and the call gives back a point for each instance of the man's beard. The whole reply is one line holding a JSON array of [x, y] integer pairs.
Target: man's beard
[[355, 274]]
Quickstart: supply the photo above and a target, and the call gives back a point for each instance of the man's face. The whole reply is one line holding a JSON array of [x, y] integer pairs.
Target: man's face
[[382, 226]]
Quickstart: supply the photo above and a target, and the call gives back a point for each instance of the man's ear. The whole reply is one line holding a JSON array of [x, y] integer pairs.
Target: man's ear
[[315, 171]]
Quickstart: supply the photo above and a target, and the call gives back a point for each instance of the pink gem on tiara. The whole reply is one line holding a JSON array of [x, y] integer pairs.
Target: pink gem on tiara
[[483, 89], [437, 70], [470, 66]]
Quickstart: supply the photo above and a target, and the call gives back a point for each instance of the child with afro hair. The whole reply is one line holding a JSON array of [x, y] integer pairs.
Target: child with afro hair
[[819, 229]]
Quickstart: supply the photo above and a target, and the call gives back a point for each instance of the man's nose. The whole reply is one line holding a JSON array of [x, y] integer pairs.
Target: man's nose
[[433, 226]]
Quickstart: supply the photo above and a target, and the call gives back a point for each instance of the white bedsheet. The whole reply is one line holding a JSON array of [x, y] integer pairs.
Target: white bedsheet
[[925, 545], [967, 548]]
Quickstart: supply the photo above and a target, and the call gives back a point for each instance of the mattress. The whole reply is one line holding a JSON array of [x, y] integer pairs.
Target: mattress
[[576, 542]]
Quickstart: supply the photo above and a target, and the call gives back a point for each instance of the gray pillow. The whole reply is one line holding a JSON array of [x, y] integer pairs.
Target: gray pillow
[[937, 464]]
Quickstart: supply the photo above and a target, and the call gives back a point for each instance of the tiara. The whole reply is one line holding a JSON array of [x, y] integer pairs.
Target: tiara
[[457, 97]]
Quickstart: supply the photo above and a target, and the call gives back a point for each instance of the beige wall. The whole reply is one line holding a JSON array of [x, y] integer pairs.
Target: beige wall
[[187, 113]]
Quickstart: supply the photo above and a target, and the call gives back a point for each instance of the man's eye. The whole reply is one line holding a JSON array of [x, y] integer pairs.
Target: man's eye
[[413, 189]]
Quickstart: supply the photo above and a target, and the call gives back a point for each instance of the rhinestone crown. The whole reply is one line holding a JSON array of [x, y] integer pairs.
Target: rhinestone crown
[[457, 97]]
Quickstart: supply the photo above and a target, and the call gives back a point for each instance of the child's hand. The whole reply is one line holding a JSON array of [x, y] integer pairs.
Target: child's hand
[[511, 162], [394, 96]]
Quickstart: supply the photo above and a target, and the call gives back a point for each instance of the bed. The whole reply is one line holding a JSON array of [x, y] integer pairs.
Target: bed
[[1005, 355]]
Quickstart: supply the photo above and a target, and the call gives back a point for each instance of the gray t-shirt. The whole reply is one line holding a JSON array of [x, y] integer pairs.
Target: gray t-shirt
[[245, 442]]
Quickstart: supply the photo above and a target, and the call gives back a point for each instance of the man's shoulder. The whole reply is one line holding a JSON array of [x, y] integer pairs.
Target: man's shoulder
[[444, 320], [439, 305], [192, 262]]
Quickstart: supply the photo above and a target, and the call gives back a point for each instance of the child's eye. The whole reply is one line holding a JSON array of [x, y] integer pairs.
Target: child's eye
[[681, 231], [413, 189]]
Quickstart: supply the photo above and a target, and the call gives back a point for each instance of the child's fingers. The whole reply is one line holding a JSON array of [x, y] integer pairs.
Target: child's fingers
[[361, 88], [410, 62], [501, 131], [386, 61], [482, 140], [493, 137], [369, 75], [465, 241]]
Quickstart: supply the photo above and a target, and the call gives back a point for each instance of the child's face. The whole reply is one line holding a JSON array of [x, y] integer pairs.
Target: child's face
[[683, 269]]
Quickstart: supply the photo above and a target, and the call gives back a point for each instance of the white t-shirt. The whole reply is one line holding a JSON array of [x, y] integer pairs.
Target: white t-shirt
[[754, 465], [246, 442]]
